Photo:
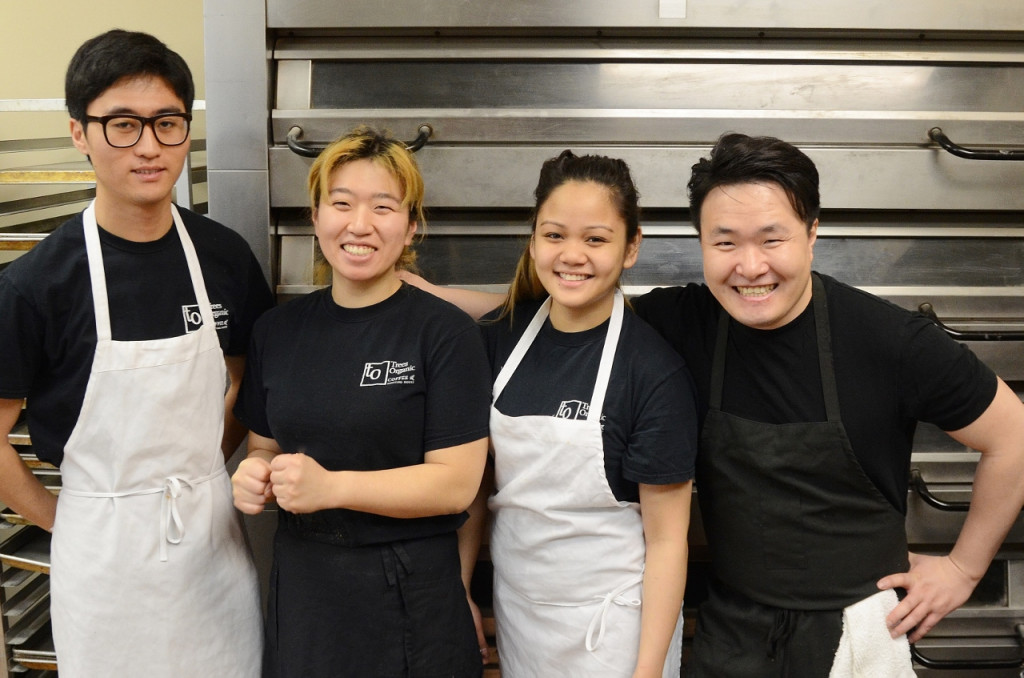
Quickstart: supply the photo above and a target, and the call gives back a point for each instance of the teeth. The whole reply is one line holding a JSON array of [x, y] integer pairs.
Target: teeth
[[573, 276], [357, 249], [758, 291]]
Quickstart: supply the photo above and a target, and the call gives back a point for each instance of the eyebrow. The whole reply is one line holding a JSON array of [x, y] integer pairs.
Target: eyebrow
[[592, 227], [117, 110], [346, 191], [726, 230]]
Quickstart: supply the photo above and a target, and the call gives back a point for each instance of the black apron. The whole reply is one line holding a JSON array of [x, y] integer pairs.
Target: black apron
[[792, 520], [390, 610]]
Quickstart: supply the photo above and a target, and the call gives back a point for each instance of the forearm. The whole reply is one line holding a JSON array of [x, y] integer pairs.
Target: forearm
[[22, 491], [471, 533], [407, 492], [234, 433], [234, 430], [663, 586], [666, 517], [997, 497]]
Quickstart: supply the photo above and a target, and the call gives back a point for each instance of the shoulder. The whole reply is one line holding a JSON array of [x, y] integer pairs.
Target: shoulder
[[433, 311], [212, 238], [862, 316], [52, 262], [645, 345], [686, 304]]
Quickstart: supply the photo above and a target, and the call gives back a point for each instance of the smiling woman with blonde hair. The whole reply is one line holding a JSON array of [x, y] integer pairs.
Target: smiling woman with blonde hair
[[367, 402]]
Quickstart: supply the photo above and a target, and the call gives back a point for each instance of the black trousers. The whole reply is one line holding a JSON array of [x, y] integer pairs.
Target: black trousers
[[739, 638]]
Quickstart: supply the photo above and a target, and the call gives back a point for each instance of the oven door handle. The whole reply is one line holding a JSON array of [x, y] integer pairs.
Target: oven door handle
[[968, 664], [938, 136], [921, 487], [927, 310], [294, 141]]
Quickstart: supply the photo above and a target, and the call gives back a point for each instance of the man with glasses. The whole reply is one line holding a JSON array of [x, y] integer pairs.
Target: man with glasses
[[125, 330]]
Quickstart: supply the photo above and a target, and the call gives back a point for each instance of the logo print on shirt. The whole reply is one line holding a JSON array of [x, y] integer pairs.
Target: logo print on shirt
[[194, 317], [388, 372], [573, 409]]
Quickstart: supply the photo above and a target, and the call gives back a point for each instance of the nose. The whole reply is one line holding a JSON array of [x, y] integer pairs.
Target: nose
[[573, 253], [751, 262], [147, 144], [361, 220]]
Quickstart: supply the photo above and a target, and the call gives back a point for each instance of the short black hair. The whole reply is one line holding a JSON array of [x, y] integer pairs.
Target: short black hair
[[741, 159], [107, 58]]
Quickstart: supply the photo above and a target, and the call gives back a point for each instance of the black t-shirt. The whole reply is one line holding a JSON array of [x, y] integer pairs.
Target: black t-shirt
[[48, 333], [893, 368], [366, 389], [649, 417]]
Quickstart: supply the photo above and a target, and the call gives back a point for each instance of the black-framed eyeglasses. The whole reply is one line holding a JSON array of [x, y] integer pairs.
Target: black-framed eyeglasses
[[124, 130]]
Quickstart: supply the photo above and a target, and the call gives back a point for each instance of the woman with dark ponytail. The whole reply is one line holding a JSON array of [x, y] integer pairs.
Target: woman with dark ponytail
[[594, 434]]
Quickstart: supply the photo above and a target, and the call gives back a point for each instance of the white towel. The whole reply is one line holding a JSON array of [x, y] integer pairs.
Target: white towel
[[866, 650]]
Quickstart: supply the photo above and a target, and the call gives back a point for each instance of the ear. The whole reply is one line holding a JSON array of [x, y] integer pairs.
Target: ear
[[413, 225], [812, 237], [633, 249], [78, 136]]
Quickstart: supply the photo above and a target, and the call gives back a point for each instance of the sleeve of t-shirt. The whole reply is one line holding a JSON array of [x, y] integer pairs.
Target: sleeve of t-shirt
[[251, 405], [943, 382], [21, 341], [662, 448], [258, 299], [458, 389]]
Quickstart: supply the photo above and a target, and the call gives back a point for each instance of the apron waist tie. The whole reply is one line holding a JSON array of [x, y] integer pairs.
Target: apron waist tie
[[172, 527], [598, 620], [781, 630], [394, 559]]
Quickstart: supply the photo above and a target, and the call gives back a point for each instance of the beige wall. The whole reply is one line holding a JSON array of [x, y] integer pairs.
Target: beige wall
[[40, 36]]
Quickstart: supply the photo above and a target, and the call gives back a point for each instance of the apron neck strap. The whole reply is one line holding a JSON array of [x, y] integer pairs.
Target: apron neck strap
[[611, 342], [98, 278]]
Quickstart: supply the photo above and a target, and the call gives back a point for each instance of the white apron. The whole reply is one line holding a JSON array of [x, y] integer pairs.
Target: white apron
[[568, 557], [151, 574]]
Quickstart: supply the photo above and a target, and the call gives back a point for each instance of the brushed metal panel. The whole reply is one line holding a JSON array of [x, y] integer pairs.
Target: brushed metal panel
[[239, 200], [612, 85], [236, 84], [953, 15], [834, 49], [851, 178]]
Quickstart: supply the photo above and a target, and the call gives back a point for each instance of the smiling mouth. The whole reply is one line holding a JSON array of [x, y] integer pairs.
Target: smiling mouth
[[147, 172], [573, 277], [358, 249], [758, 291]]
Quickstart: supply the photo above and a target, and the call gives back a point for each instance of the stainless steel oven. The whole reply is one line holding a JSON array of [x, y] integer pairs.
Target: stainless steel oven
[[875, 92]]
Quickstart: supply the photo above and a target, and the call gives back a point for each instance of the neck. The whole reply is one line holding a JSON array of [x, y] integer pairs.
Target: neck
[[135, 222], [566, 319], [362, 293]]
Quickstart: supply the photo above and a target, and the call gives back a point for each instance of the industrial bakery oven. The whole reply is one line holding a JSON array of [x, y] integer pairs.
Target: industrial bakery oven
[[911, 110]]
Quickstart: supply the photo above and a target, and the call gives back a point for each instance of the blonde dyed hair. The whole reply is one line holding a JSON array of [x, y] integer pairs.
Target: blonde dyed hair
[[379, 147]]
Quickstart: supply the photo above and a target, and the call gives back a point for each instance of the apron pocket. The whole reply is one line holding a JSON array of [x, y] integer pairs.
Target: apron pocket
[[440, 638]]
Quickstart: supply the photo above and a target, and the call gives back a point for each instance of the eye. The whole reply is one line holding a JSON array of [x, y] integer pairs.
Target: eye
[[340, 204], [123, 124], [596, 240], [723, 244], [551, 235], [384, 208]]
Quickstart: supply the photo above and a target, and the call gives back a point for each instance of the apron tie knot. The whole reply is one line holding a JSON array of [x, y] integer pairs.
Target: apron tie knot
[[172, 527], [597, 622]]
